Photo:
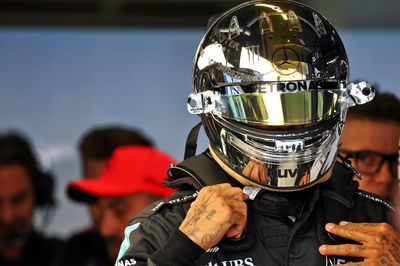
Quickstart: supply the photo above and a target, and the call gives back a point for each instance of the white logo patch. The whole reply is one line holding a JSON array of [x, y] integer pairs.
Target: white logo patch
[[126, 262], [335, 261]]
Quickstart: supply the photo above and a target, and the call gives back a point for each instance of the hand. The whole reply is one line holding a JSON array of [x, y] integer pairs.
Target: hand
[[257, 171], [379, 243], [217, 211]]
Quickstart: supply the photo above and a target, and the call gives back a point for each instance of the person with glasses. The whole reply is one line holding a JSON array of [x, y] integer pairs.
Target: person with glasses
[[371, 142]]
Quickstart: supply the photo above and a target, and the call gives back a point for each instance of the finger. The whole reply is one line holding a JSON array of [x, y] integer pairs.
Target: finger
[[238, 221], [245, 196], [237, 206], [351, 264], [344, 250], [235, 231], [249, 167], [342, 231], [210, 191], [238, 227], [383, 228], [255, 173], [263, 174], [221, 186], [235, 193], [305, 180]]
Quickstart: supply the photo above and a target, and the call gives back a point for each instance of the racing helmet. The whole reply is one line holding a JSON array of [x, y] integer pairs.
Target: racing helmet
[[271, 84]]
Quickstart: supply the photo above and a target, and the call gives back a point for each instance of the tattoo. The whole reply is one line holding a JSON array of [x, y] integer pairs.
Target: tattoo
[[391, 249], [197, 210], [210, 238], [395, 250], [380, 240], [383, 261], [193, 233], [387, 261], [373, 224], [360, 249], [211, 214], [195, 213]]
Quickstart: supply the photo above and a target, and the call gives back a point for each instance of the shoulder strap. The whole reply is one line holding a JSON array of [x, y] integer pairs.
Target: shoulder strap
[[197, 171]]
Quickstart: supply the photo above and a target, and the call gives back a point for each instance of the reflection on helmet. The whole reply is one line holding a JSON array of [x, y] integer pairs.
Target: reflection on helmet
[[271, 84]]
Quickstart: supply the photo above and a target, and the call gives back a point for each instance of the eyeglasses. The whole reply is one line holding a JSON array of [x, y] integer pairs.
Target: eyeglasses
[[370, 162]]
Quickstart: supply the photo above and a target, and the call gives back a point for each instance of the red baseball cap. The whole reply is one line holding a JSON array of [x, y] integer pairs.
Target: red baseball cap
[[131, 169]]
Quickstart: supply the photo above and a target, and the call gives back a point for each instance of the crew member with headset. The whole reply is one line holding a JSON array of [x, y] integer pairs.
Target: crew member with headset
[[24, 187]]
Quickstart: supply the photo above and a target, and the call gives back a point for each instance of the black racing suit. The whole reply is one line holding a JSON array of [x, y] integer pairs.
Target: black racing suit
[[282, 228]]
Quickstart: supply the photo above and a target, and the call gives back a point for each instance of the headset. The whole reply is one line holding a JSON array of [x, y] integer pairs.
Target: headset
[[16, 149], [43, 184]]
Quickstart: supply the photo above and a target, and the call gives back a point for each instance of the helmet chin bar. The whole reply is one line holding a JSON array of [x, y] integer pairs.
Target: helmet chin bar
[[249, 182], [274, 167]]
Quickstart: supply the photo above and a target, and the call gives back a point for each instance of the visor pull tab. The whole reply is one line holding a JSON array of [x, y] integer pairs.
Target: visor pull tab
[[360, 93], [201, 103]]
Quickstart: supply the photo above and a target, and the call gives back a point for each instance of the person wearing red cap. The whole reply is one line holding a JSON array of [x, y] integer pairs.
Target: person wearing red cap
[[131, 181]]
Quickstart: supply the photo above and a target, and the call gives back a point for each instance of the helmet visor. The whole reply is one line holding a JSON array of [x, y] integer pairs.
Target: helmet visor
[[279, 109]]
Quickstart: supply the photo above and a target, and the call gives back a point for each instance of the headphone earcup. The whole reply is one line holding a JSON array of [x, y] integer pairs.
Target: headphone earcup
[[44, 186]]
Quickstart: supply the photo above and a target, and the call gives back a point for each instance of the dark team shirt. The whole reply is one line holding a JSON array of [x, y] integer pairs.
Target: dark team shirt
[[85, 249], [38, 251]]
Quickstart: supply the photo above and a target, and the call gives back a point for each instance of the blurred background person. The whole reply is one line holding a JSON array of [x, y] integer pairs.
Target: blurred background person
[[24, 187], [96, 146], [371, 139], [98, 143], [129, 182], [95, 149]]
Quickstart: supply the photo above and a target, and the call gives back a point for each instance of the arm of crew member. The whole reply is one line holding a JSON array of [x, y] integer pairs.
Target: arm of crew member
[[379, 243]]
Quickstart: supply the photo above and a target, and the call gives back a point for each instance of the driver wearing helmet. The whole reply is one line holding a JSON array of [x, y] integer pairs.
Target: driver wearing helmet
[[271, 85]]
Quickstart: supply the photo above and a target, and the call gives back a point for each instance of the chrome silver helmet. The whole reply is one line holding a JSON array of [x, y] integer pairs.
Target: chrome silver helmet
[[271, 84]]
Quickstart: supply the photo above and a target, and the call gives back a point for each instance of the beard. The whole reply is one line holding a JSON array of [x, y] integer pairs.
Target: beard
[[15, 233]]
